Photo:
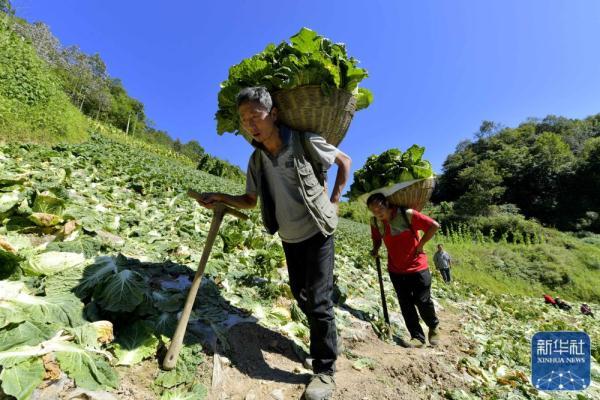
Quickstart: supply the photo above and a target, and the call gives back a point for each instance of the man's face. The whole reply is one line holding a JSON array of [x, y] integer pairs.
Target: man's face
[[440, 248], [257, 121], [379, 210]]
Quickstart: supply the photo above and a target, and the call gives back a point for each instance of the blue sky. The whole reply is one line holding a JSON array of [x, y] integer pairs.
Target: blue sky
[[437, 68]]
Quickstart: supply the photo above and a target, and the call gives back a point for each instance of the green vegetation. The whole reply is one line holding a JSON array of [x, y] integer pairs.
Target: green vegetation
[[124, 209], [32, 105], [547, 169], [507, 253], [390, 167], [545, 261], [47, 91], [309, 59], [97, 238], [500, 327], [92, 201], [190, 154], [355, 210], [83, 78]]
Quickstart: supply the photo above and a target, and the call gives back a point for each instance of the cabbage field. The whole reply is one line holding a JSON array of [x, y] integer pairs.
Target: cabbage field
[[99, 243]]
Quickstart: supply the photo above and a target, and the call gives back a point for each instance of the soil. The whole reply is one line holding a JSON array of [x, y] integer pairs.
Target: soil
[[263, 365]]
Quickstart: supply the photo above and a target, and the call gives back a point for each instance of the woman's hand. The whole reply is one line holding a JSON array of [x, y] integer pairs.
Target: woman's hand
[[419, 249]]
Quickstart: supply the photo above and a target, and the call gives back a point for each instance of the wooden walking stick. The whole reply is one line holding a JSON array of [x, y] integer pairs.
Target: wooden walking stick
[[383, 302], [219, 211]]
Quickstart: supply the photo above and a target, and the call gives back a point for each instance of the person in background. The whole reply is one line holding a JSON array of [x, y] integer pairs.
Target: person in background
[[443, 262], [562, 304], [586, 310], [407, 263], [549, 300]]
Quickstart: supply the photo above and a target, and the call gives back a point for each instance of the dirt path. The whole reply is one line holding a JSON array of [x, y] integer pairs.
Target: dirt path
[[263, 365]]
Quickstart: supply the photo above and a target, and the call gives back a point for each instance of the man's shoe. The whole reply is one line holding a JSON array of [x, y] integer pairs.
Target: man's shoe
[[433, 336], [401, 342], [321, 387], [414, 342], [307, 363]]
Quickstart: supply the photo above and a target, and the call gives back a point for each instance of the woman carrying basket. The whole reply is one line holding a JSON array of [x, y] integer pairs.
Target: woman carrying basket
[[399, 229]]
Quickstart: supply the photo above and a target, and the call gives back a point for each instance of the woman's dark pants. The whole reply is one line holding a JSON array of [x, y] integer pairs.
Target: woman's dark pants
[[414, 293]]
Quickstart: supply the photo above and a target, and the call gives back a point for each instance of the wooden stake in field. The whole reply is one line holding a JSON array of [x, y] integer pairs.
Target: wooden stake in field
[[219, 212]]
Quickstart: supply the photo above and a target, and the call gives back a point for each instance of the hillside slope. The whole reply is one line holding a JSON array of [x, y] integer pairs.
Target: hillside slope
[[103, 198]]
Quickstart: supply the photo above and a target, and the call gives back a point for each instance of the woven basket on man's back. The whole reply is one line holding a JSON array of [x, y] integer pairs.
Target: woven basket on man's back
[[308, 109], [411, 194]]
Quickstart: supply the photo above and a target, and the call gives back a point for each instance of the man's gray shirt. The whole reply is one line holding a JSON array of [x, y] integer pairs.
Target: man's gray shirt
[[295, 222], [442, 260]]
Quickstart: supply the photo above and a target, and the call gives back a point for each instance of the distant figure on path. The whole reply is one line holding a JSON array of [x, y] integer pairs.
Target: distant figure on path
[[549, 300], [443, 262], [586, 310], [562, 304]]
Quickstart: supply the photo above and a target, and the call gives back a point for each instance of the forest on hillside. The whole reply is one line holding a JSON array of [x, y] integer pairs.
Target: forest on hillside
[[547, 169]]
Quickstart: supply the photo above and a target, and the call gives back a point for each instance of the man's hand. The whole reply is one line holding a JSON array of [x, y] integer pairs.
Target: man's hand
[[210, 199], [336, 205], [207, 200], [374, 252], [343, 163]]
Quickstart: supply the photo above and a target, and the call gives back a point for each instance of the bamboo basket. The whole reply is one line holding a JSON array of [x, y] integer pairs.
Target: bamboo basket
[[411, 194], [308, 109]]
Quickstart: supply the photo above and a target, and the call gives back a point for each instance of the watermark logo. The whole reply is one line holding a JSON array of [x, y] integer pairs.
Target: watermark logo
[[560, 360]]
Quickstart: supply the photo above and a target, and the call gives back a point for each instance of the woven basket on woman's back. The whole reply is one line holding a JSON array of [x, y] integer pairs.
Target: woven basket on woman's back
[[414, 196], [411, 194], [308, 109]]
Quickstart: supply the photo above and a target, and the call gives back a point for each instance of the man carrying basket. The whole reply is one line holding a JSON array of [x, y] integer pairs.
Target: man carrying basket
[[399, 229], [288, 171]]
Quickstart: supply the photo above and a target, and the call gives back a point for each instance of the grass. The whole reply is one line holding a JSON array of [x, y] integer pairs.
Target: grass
[[507, 253], [119, 136], [562, 265], [54, 123], [33, 107]]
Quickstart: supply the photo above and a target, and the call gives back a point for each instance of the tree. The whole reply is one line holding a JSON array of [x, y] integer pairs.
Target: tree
[[124, 108], [6, 7], [177, 145], [450, 187], [484, 188], [46, 45], [551, 163], [547, 168], [192, 150], [584, 188], [486, 129]]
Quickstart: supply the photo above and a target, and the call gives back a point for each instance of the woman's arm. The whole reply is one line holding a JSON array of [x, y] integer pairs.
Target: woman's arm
[[429, 232], [376, 238]]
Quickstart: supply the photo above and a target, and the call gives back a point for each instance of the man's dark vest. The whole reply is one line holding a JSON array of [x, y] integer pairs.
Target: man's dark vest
[[312, 186]]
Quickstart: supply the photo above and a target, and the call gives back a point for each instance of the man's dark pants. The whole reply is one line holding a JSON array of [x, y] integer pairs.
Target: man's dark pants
[[310, 268], [445, 272], [414, 292]]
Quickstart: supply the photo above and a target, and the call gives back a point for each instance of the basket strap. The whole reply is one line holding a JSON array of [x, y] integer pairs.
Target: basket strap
[[403, 212], [313, 159]]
